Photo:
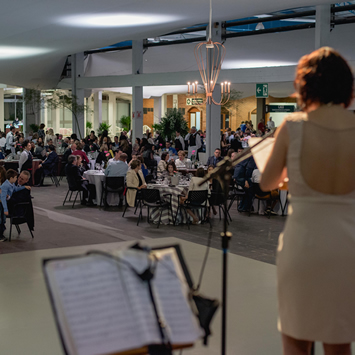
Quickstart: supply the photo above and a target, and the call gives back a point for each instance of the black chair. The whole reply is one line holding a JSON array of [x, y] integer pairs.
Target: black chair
[[196, 200], [53, 173], [112, 184], [19, 215], [151, 199], [217, 199], [149, 178], [235, 194], [71, 190], [268, 198], [137, 202]]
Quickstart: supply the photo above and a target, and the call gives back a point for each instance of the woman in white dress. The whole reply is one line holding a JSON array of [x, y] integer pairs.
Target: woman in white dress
[[316, 252]]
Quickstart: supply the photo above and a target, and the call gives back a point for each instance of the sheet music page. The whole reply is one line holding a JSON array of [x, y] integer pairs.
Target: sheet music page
[[171, 292], [92, 306], [139, 298], [262, 152]]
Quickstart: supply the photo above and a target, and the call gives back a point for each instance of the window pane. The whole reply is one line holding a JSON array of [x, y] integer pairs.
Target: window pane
[[222, 121], [198, 120], [192, 119], [227, 120]]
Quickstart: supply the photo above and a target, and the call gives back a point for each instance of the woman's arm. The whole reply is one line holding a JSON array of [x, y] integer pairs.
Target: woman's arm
[[275, 170]]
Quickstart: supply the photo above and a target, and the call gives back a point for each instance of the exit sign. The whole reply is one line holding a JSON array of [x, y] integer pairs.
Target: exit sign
[[262, 91]]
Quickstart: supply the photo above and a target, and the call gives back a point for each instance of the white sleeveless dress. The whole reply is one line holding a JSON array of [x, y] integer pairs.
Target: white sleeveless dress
[[316, 257]]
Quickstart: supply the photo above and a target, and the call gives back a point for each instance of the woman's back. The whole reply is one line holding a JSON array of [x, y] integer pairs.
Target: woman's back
[[321, 151]]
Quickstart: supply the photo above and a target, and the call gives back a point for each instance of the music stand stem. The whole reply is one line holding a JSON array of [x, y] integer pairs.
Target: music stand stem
[[226, 236]]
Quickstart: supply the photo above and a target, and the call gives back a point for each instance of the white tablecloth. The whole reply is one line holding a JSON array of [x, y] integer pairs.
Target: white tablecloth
[[95, 177]]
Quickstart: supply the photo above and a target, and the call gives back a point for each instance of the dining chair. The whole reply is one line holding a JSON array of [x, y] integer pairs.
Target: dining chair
[[112, 184], [196, 200], [217, 199], [151, 199], [19, 215]]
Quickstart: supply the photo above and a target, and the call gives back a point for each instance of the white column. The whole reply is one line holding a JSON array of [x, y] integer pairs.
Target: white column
[[97, 109], [77, 67], [213, 112], [24, 120], [44, 114], [164, 105], [112, 112], [56, 119], [175, 101], [157, 109], [2, 128], [137, 91], [323, 18]]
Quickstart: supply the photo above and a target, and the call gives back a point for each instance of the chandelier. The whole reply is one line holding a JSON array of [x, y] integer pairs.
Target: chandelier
[[209, 57]]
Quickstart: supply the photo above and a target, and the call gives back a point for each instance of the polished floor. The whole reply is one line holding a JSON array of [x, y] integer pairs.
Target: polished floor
[[27, 325]]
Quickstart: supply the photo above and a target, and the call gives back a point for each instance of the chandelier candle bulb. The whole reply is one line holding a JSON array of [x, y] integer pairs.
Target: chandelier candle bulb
[[229, 88], [222, 88], [188, 87]]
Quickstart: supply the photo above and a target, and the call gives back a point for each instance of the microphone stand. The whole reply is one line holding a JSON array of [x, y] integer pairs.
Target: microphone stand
[[223, 173]]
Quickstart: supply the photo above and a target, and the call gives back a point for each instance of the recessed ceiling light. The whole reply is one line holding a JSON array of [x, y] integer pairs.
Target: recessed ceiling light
[[7, 52], [116, 20]]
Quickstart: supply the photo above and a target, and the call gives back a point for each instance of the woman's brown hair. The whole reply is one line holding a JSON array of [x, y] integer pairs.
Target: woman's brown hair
[[324, 76]]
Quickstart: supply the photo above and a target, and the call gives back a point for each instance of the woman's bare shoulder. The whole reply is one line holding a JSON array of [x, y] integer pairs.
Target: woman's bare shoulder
[[296, 117]]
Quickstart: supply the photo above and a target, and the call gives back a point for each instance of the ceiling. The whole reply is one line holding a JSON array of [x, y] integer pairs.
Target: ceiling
[[42, 25]]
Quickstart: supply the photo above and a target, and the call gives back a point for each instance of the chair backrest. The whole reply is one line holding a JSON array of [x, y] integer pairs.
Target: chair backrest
[[19, 210], [150, 195], [115, 182], [216, 198], [149, 178], [197, 198]]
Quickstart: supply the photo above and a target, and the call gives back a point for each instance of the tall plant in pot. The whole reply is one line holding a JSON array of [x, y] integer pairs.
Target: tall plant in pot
[[172, 121]]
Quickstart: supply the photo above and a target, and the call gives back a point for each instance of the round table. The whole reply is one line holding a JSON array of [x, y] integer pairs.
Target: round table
[[96, 177], [175, 191]]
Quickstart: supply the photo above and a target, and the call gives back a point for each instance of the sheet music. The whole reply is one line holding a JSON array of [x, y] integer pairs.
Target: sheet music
[[171, 294], [262, 152], [92, 306], [139, 297]]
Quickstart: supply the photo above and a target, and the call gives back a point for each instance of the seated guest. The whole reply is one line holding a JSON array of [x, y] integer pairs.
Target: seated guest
[[79, 163], [215, 159], [117, 167], [194, 186], [170, 169], [143, 166], [7, 189], [242, 176], [136, 147], [70, 150], [77, 182], [23, 196], [134, 178], [272, 195], [115, 143], [25, 162], [170, 149], [47, 166], [134, 157], [182, 161], [65, 143], [163, 162], [80, 152]]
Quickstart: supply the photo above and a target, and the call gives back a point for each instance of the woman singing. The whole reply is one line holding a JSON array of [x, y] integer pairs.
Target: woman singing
[[316, 252]]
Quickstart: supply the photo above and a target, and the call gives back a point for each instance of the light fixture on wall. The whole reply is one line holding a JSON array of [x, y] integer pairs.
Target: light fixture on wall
[[210, 67]]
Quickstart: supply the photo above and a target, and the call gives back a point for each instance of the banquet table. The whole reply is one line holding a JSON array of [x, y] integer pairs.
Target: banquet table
[[95, 177], [175, 191]]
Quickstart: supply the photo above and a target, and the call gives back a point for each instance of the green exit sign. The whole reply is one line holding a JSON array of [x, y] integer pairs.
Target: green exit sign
[[262, 91]]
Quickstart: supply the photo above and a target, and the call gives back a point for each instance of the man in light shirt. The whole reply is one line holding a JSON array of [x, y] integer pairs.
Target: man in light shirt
[[117, 166], [10, 141], [271, 123], [3, 140]]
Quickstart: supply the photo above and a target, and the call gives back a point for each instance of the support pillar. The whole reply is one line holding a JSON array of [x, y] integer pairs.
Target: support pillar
[[112, 112], [213, 112], [78, 121], [2, 119], [57, 114], [24, 120], [157, 109], [260, 111], [323, 26], [97, 109], [164, 106], [137, 91]]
